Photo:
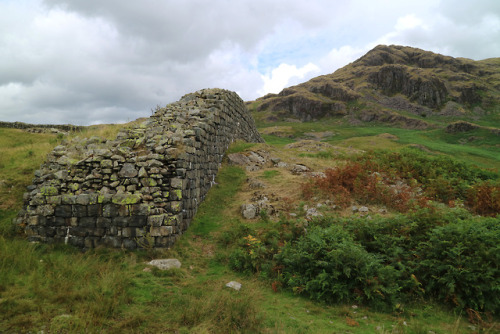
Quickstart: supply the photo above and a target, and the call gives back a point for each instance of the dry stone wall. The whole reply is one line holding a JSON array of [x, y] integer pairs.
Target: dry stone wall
[[143, 188]]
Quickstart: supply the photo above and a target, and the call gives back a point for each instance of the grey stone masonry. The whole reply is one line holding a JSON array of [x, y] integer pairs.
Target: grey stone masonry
[[143, 188]]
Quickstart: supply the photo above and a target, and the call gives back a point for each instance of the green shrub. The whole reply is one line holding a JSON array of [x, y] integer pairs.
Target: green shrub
[[328, 265], [438, 253], [459, 264]]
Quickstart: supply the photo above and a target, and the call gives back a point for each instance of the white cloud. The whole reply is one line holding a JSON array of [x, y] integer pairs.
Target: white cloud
[[283, 76], [339, 57], [80, 61]]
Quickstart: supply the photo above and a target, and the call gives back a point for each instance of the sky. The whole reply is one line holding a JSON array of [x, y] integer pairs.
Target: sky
[[111, 61]]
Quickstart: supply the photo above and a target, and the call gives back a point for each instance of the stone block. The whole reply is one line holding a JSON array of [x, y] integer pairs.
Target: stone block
[[140, 209], [128, 232], [121, 221], [156, 220], [64, 211], [79, 210], [83, 199], [45, 210], [129, 244], [102, 222], [68, 199], [161, 231], [88, 222], [110, 210], [138, 221], [113, 242], [94, 210]]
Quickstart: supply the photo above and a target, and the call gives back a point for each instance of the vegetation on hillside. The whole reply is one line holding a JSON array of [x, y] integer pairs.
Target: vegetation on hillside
[[403, 264], [423, 259]]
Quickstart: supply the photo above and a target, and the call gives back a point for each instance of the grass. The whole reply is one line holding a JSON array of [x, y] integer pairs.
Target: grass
[[54, 288], [477, 146], [21, 154]]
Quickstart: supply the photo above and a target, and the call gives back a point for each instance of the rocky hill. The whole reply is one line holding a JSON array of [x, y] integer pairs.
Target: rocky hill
[[395, 84]]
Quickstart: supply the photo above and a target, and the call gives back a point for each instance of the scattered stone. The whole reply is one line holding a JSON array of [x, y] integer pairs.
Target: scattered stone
[[254, 183], [275, 160], [299, 169], [234, 285], [363, 209], [313, 212], [252, 168], [165, 264], [249, 211], [238, 159]]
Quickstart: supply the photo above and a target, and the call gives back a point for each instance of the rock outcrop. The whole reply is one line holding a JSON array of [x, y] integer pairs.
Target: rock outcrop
[[391, 79], [142, 189]]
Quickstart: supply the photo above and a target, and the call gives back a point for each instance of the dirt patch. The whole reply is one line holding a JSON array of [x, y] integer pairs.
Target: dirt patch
[[278, 131]]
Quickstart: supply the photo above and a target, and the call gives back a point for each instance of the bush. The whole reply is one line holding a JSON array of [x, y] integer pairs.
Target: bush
[[441, 253], [365, 183], [459, 264], [328, 265], [484, 198]]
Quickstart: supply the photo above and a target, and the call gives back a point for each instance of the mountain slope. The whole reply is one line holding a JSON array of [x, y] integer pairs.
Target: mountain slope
[[393, 84]]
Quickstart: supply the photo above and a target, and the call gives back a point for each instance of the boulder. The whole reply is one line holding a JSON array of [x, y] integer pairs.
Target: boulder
[[165, 264]]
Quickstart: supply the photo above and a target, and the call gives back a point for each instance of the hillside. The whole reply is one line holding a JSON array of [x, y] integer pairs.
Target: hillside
[[393, 84], [380, 218]]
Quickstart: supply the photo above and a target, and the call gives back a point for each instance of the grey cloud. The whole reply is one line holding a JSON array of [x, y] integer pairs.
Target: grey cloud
[[84, 61]]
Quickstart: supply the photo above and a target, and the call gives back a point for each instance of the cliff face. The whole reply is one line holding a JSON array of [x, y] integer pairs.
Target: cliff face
[[392, 80]]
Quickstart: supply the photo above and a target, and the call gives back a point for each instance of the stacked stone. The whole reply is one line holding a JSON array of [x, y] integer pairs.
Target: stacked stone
[[143, 188]]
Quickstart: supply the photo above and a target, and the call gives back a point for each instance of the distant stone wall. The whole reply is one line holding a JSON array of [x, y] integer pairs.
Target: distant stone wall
[[143, 188], [21, 125]]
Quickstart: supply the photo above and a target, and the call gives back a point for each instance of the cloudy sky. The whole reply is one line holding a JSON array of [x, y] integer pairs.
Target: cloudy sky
[[106, 61]]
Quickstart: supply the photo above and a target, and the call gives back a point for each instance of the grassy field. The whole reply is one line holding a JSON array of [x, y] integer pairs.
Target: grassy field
[[54, 288]]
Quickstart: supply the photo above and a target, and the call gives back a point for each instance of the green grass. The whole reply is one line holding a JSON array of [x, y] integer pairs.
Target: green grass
[[21, 154], [239, 146], [483, 150], [54, 288], [270, 174], [210, 213]]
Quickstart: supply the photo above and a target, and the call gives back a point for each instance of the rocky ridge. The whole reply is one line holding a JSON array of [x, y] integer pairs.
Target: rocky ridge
[[393, 84]]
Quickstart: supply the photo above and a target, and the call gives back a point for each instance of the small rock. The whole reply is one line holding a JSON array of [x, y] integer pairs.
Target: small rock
[[128, 170], [313, 212], [363, 209], [254, 183], [299, 169], [165, 264], [238, 159], [275, 160], [234, 285], [252, 168], [354, 208], [249, 211]]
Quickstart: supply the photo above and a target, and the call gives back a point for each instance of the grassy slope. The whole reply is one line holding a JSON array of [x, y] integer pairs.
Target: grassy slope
[[59, 289]]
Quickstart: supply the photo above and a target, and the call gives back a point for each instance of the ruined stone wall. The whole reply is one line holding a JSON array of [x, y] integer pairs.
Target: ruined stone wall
[[142, 188]]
